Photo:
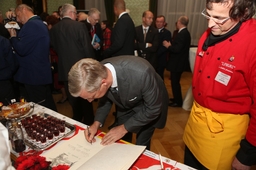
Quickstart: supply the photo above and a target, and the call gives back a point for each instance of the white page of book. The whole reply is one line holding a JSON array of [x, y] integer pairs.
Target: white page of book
[[114, 157], [77, 152]]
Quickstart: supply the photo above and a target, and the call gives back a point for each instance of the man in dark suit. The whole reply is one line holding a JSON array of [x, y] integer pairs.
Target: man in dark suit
[[70, 39], [93, 28], [8, 66], [179, 54], [123, 33], [133, 85], [162, 52], [146, 41], [31, 46]]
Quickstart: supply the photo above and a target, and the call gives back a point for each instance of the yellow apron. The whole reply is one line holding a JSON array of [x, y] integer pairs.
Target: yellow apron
[[214, 138]]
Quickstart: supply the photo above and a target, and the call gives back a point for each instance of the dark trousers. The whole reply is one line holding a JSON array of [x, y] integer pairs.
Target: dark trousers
[[176, 88], [190, 160], [82, 109], [38, 93], [160, 71], [143, 137]]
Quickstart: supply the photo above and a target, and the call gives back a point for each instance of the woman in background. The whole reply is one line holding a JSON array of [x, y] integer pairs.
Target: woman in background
[[106, 34]]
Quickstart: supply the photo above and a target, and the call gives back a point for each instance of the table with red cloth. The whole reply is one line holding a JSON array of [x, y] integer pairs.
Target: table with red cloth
[[147, 160]]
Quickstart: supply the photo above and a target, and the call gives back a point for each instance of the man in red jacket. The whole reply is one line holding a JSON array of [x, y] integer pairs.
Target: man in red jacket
[[221, 130]]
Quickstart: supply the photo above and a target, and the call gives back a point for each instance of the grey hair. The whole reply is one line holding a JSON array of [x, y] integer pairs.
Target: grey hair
[[86, 74], [65, 9], [93, 11], [21, 6], [184, 20]]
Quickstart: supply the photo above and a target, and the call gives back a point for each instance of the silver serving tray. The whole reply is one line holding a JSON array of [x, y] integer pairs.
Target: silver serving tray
[[38, 146]]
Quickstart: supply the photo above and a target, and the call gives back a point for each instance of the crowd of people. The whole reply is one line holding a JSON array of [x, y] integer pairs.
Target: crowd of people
[[124, 65]]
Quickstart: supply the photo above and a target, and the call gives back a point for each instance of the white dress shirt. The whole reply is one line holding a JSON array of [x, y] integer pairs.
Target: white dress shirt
[[113, 72]]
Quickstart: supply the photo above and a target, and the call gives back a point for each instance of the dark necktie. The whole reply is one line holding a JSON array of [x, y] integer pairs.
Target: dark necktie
[[92, 31], [115, 94]]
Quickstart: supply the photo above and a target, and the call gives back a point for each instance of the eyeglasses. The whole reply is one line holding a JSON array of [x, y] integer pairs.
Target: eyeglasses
[[216, 20]]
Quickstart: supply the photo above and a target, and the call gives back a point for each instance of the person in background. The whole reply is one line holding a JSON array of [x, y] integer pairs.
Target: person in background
[[162, 52], [146, 39], [178, 55], [106, 34], [141, 107], [81, 16], [94, 29], [3, 31], [221, 130], [31, 45], [123, 33], [43, 17], [57, 85], [56, 14], [8, 66], [71, 41]]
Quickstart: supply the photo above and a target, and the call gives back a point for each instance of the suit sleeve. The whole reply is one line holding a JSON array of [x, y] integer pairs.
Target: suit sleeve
[[118, 38], [162, 49], [86, 42], [25, 41], [151, 106], [8, 64], [154, 42], [178, 43], [103, 109]]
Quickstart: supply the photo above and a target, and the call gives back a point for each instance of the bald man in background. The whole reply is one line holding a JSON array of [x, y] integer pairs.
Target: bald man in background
[[123, 33]]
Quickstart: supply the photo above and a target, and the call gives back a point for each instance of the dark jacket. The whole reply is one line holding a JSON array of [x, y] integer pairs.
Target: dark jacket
[[122, 38], [179, 51]]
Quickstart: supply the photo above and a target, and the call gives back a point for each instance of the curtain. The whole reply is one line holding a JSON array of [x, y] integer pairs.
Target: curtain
[[153, 6], [99, 4], [172, 10], [79, 4], [110, 11]]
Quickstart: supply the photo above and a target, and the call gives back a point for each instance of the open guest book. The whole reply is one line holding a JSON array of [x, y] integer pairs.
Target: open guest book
[[82, 155]]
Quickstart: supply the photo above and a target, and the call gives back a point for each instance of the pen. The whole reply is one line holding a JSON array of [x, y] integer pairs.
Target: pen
[[161, 161], [89, 133]]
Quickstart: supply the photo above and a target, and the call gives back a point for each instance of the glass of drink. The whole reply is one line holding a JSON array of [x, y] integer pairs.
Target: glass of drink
[[49, 135]]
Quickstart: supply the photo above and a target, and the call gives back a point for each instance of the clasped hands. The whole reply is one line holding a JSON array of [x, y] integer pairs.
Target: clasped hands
[[112, 136], [167, 44]]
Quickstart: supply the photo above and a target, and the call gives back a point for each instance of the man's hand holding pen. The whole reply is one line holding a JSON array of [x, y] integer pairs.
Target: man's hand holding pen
[[90, 132]]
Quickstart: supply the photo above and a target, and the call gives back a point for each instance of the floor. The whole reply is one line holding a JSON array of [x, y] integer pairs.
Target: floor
[[167, 141]]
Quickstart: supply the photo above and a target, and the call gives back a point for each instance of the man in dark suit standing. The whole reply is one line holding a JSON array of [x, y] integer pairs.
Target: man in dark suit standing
[[93, 28], [179, 53], [146, 41], [123, 33], [162, 52], [8, 66], [133, 85], [31, 46], [70, 39]]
